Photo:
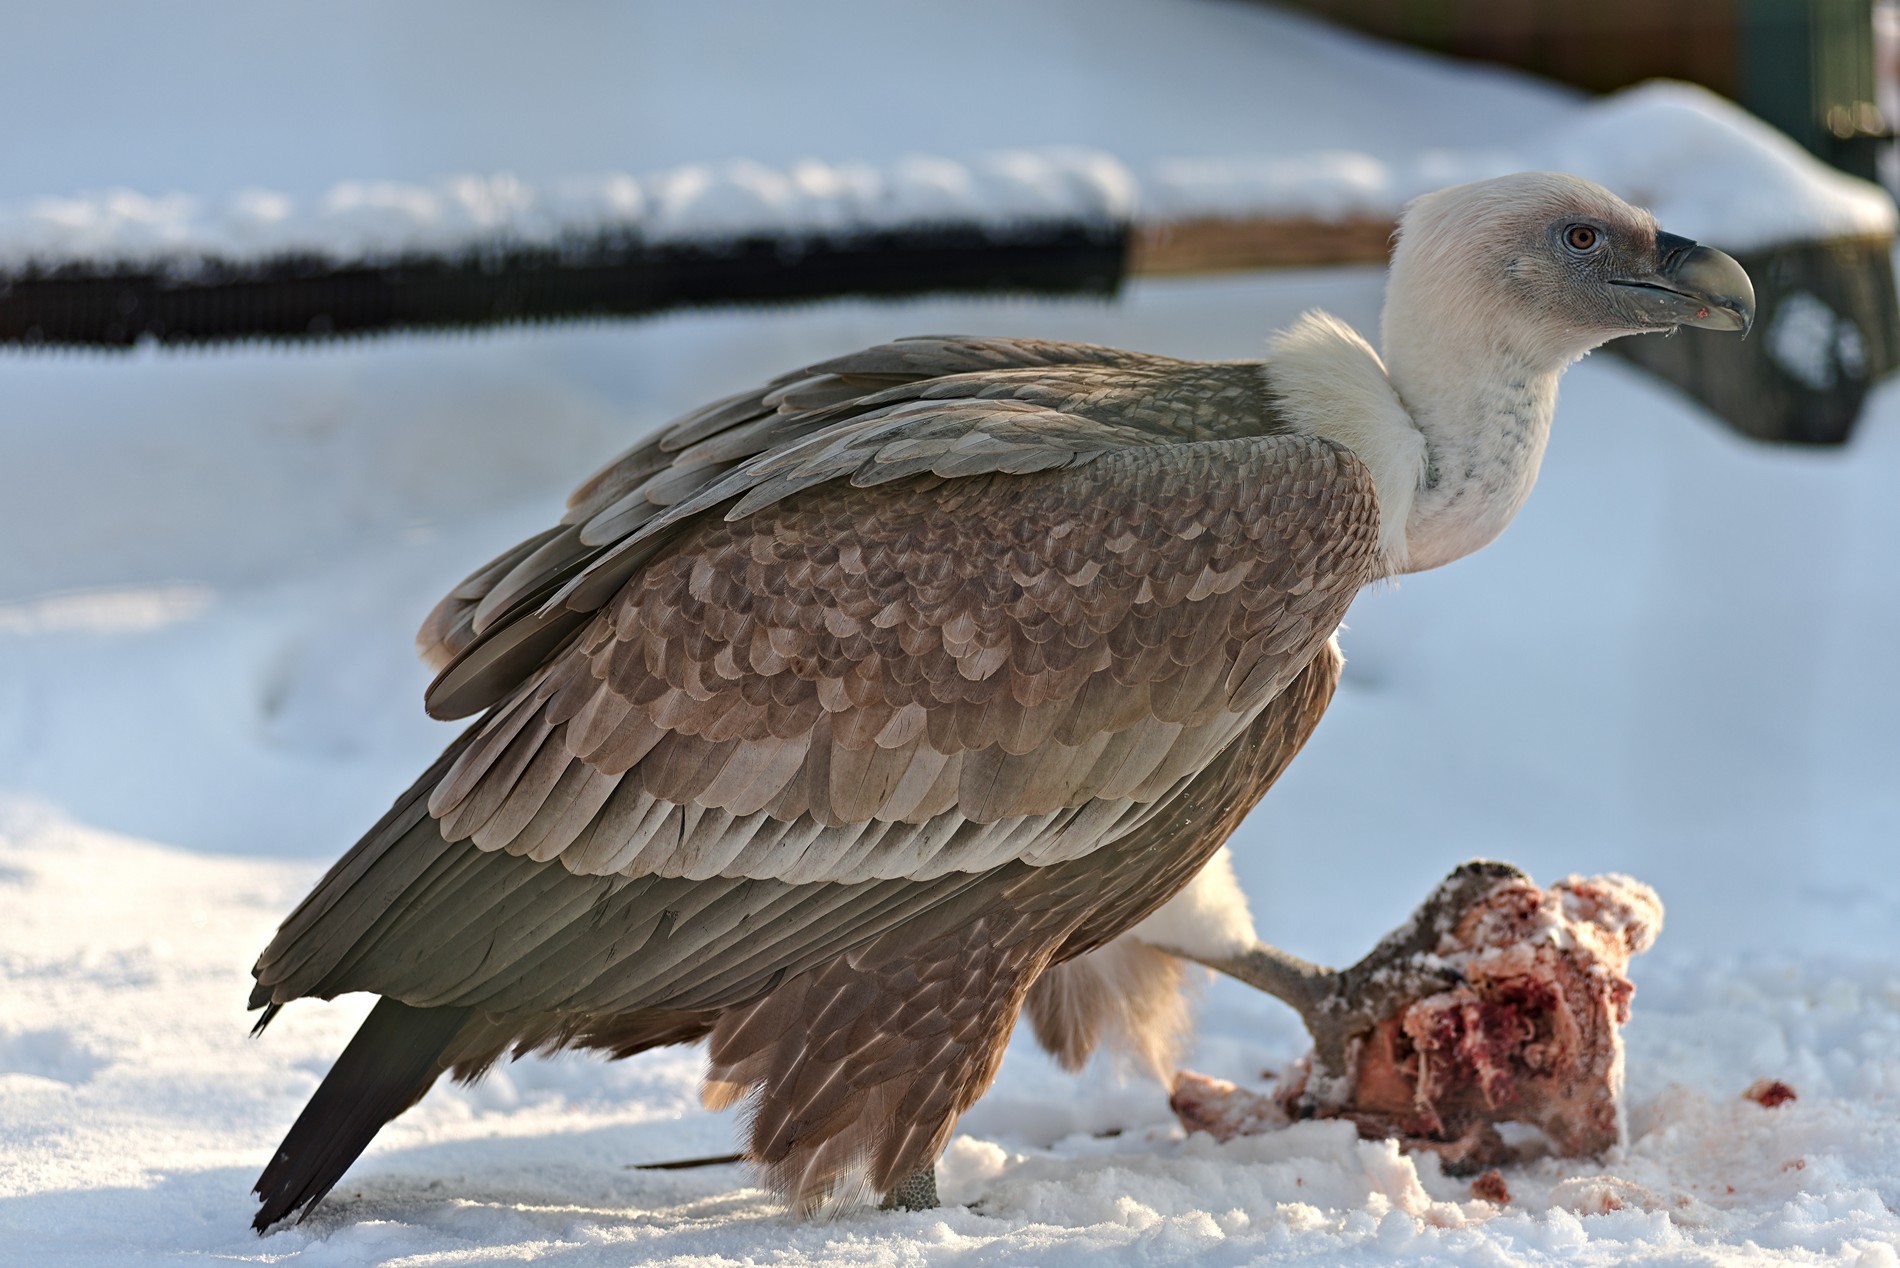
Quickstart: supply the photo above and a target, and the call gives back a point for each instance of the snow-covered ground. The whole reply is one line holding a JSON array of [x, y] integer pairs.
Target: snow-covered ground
[[1678, 663]]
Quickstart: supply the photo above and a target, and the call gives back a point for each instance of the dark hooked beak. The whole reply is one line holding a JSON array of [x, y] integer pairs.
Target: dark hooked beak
[[1692, 286]]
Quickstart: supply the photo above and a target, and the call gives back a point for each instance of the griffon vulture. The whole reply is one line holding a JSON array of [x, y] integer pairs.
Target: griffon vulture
[[836, 715]]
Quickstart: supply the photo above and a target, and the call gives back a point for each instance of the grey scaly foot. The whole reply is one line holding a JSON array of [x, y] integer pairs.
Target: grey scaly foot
[[1342, 1006], [915, 1192]]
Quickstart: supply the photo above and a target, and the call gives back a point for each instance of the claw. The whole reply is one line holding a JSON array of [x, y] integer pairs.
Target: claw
[[1342, 1006]]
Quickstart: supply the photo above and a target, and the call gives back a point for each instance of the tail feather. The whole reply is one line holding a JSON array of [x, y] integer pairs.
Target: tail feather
[[393, 1059]]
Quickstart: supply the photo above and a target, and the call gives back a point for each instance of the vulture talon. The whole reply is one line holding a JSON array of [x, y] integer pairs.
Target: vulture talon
[[915, 1192], [1341, 1007]]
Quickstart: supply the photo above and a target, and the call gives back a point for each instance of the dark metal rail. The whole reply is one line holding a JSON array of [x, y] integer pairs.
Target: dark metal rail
[[117, 304]]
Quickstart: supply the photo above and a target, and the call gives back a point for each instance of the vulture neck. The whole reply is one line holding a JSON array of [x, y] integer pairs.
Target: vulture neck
[[1481, 396]]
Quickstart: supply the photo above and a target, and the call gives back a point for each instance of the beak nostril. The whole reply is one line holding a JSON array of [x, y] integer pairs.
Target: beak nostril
[[1670, 250]]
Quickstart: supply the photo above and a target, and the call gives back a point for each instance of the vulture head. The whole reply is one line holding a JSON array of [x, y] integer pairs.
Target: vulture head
[[1495, 288], [1557, 265]]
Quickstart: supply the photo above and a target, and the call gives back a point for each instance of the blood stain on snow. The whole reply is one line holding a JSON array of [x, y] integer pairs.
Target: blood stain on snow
[[1490, 1187], [1600, 1195], [1769, 1093]]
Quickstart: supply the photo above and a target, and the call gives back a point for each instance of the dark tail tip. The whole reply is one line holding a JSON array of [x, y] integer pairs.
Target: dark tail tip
[[392, 1060], [270, 1015]]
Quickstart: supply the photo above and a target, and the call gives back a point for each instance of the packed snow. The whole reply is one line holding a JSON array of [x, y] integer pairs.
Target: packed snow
[[1677, 664]]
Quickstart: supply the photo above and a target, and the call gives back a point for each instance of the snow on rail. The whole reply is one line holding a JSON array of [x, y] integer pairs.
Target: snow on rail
[[364, 220], [1706, 167]]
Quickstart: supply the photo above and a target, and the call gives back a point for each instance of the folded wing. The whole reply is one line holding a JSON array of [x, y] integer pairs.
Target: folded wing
[[956, 624]]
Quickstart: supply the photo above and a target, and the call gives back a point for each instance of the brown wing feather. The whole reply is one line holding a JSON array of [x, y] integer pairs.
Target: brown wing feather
[[875, 694], [704, 445], [413, 914], [861, 656], [595, 550]]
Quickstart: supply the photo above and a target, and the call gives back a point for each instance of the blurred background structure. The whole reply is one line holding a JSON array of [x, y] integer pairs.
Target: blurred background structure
[[1811, 68]]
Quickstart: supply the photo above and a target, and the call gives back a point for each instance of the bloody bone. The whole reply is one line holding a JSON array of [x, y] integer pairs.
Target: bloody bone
[[1514, 1014]]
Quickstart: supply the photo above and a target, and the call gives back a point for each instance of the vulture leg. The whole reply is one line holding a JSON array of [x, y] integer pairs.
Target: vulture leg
[[857, 1070], [1342, 1006], [915, 1192]]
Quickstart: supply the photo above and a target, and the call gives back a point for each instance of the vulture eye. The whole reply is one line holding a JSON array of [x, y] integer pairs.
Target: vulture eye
[[1582, 239]]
